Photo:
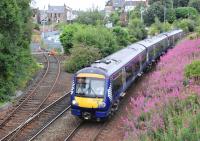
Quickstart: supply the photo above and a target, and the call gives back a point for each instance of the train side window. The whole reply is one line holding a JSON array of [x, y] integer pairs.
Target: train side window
[[144, 57], [151, 52], [129, 72], [117, 83], [136, 66]]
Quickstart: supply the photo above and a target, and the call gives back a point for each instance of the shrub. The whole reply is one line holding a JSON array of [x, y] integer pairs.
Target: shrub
[[92, 17], [67, 36], [170, 15], [186, 12], [97, 37], [153, 11], [186, 24], [193, 70], [122, 36], [81, 57], [136, 30], [159, 27]]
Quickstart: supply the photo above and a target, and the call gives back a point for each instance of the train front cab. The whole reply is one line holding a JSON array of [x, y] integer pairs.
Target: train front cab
[[89, 98]]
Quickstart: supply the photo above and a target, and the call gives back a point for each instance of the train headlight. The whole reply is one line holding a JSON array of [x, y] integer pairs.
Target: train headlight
[[102, 105], [74, 102]]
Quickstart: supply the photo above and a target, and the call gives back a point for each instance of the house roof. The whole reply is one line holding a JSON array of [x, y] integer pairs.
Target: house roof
[[133, 2], [56, 9]]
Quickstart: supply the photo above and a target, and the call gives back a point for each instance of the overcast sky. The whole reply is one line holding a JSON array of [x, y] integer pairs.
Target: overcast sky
[[74, 4]]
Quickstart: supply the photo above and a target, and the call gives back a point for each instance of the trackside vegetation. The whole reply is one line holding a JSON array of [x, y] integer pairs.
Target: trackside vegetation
[[16, 64], [192, 71]]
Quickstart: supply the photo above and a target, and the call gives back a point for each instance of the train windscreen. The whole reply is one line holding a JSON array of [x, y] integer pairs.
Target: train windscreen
[[90, 87]]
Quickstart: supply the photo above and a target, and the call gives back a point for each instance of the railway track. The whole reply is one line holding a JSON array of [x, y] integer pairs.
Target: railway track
[[31, 128], [72, 133], [94, 129], [34, 100]]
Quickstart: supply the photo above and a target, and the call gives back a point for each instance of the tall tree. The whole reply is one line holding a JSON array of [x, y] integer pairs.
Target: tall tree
[[195, 4], [15, 35], [155, 10], [92, 17]]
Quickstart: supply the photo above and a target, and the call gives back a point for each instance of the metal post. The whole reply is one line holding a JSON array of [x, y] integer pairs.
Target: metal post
[[164, 14], [43, 20], [141, 12]]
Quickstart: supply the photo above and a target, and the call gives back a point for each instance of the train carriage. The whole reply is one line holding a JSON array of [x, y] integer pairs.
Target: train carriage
[[97, 89]]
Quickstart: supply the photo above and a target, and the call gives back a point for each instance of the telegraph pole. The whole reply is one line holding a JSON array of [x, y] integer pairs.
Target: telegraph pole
[[164, 14], [141, 13]]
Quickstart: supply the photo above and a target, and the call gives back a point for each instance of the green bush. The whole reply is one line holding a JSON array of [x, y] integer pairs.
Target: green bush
[[136, 30], [97, 37], [193, 70], [67, 36], [122, 36], [186, 12], [187, 25], [159, 27], [92, 17], [170, 15], [153, 11], [81, 57]]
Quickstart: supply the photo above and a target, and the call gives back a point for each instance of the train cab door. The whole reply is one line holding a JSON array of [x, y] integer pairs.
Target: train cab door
[[124, 77]]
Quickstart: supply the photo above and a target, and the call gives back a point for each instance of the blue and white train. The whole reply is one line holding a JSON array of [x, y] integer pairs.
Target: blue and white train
[[96, 90]]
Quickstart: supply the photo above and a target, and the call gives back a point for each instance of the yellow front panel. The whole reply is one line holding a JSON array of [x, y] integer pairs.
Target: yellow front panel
[[91, 75], [88, 102]]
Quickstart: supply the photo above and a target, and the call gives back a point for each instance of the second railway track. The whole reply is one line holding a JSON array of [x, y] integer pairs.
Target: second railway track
[[34, 100], [38, 122]]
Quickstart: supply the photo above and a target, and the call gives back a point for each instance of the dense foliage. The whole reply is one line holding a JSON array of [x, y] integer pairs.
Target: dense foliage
[[180, 3], [195, 4], [193, 70], [155, 10], [122, 36], [92, 17], [81, 57], [186, 12], [136, 30], [186, 24], [16, 64], [97, 37], [67, 36], [159, 27]]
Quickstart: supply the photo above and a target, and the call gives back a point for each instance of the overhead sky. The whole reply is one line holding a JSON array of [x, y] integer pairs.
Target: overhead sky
[[74, 4]]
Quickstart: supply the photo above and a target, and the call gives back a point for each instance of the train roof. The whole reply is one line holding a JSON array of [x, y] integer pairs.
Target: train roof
[[115, 61], [153, 40], [173, 32]]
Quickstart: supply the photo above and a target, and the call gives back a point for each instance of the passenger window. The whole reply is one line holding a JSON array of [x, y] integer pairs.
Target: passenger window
[[144, 58], [117, 83], [136, 66], [129, 72]]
